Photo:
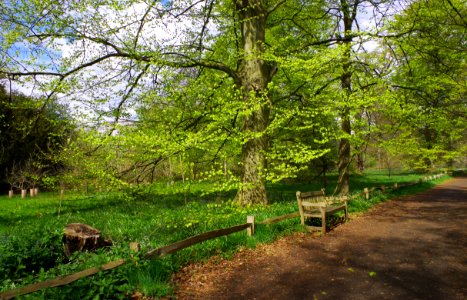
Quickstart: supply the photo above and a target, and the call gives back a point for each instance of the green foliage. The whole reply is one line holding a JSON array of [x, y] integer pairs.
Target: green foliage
[[33, 132], [426, 111], [30, 251]]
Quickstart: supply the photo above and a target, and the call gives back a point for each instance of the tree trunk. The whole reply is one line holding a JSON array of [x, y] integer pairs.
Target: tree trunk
[[343, 184], [349, 11], [253, 187], [253, 77], [361, 148], [360, 162]]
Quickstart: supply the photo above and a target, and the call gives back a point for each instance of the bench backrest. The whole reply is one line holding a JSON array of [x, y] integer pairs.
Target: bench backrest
[[311, 200], [316, 196]]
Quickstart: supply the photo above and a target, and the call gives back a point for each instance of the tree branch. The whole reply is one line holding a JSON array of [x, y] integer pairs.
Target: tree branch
[[276, 6]]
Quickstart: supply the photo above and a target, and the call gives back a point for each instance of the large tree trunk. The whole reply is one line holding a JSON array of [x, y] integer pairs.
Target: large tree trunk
[[349, 11], [343, 184], [253, 77], [253, 188]]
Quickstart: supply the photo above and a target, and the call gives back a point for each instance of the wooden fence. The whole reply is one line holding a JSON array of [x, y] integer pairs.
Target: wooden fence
[[249, 226]]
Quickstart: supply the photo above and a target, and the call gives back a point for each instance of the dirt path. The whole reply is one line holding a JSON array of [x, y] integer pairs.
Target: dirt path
[[414, 247]]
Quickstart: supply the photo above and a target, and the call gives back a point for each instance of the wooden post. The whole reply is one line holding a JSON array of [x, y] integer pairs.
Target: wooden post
[[323, 221], [31, 193], [10, 194], [134, 249], [367, 193], [62, 192], [36, 191], [135, 246], [250, 230], [23, 194]]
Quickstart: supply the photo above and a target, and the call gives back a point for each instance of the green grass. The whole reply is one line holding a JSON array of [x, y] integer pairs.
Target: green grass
[[30, 232]]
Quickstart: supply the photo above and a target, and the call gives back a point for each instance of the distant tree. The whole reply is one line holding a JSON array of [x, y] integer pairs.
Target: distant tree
[[427, 110], [32, 133]]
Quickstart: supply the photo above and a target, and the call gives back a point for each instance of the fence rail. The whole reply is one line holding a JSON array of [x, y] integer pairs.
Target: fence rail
[[59, 281], [177, 246], [172, 248]]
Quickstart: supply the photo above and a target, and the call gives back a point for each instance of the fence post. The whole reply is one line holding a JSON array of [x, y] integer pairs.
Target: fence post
[[250, 230], [367, 193], [10, 194], [135, 247]]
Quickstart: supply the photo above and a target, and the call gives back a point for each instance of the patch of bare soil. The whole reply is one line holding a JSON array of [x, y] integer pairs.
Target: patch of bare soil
[[414, 247]]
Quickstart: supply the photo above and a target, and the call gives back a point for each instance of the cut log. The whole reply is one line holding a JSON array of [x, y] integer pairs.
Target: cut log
[[82, 237]]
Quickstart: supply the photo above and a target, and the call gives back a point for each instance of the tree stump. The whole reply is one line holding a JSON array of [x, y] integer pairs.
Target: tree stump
[[82, 237]]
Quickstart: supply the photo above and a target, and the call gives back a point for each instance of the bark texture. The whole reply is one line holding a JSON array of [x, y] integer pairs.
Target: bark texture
[[253, 77]]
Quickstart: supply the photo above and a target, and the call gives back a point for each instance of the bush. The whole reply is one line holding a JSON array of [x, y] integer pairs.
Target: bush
[[22, 255]]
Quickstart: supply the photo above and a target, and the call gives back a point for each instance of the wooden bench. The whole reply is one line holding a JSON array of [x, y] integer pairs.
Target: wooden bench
[[317, 205]]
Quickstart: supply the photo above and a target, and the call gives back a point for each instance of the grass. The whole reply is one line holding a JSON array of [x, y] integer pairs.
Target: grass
[[30, 232]]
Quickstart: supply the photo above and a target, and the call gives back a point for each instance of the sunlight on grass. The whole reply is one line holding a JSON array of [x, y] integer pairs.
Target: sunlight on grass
[[154, 218]]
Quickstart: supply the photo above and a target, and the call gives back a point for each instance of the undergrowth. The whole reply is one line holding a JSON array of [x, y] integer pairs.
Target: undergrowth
[[31, 233]]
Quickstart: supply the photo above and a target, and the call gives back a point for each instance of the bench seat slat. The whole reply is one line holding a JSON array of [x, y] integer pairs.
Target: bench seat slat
[[327, 210]]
